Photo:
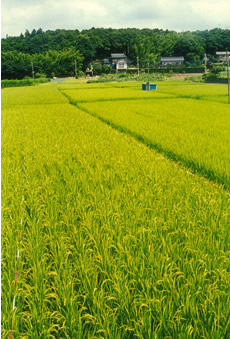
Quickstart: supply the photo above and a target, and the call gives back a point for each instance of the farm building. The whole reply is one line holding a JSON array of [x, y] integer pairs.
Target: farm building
[[174, 61], [116, 57], [118, 61], [121, 65]]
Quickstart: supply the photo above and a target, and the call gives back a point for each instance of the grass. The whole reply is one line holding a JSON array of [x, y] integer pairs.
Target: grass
[[116, 241]]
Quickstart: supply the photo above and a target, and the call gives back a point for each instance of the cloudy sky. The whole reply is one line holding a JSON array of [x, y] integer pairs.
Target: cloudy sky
[[179, 15]]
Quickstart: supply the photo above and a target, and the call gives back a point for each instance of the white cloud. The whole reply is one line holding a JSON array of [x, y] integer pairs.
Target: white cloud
[[17, 16]]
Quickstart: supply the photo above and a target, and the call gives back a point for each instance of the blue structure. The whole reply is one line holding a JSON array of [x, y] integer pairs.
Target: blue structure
[[149, 87]]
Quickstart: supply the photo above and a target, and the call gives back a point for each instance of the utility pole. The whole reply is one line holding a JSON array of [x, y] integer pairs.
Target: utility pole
[[138, 67], [75, 63], [227, 57], [32, 65], [205, 62], [148, 78]]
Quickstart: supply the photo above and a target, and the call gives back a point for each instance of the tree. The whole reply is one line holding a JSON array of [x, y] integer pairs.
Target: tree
[[85, 46], [16, 65], [189, 47], [27, 33], [97, 69], [61, 63]]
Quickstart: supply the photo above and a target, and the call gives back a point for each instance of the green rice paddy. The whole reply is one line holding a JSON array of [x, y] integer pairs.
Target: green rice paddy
[[117, 239]]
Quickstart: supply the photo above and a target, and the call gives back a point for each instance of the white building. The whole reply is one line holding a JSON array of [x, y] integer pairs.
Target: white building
[[119, 61]]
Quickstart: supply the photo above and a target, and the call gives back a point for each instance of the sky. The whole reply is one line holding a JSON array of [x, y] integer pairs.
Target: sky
[[178, 15]]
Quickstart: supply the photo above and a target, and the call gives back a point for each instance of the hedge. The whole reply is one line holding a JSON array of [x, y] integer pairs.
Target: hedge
[[23, 82]]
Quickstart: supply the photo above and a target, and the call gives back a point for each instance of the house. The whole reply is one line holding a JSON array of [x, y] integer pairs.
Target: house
[[117, 61], [222, 56], [115, 57], [173, 61], [121, 65]]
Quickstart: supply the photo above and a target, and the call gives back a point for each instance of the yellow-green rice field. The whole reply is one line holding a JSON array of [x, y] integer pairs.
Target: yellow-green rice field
[[115, 211]]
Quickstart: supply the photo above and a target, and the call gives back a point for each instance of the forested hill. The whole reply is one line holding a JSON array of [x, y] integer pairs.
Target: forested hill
[[98, 43]]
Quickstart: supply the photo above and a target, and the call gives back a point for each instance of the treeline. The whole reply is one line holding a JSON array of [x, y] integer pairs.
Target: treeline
[[54, 52], [17, 65]]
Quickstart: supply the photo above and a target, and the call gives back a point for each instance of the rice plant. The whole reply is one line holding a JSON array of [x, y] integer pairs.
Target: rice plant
[[116, 242], [192, 132]]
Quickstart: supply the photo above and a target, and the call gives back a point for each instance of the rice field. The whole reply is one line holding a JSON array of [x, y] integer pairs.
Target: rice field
[[104, 235], [192, 132], [199, 140], [206, 92]]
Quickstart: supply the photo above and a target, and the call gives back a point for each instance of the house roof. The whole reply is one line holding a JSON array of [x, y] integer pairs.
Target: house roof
[[180, 58], [118, 55]]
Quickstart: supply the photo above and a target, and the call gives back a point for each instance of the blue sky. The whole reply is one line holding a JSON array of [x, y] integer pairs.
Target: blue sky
[[179, 15]]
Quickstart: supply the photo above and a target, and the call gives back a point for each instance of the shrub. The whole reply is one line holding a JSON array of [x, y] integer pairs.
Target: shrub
[[194, 78], [127, 77], [39, 75], [216, 70], [97, 69]]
